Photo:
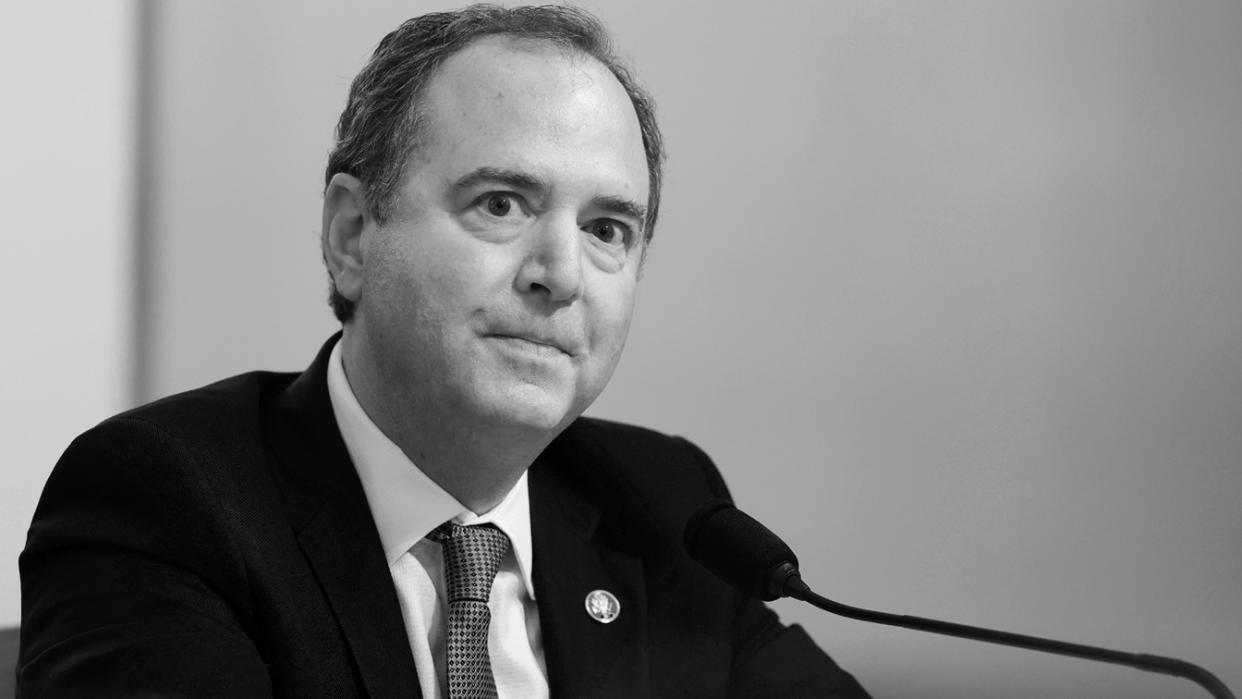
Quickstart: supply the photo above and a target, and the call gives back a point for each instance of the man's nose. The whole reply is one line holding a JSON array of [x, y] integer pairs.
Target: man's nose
[[553, 263]]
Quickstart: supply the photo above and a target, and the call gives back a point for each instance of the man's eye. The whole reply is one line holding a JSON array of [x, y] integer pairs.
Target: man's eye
[[609, 231], [499, 205]]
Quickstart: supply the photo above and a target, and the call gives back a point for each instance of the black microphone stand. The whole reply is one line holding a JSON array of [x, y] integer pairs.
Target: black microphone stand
[[796, 588]]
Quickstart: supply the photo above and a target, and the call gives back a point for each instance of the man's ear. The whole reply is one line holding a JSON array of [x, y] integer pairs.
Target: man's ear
[[345, 217]]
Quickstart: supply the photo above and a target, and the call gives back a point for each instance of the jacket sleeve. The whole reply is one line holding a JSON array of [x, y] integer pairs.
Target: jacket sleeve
[[128, 584]]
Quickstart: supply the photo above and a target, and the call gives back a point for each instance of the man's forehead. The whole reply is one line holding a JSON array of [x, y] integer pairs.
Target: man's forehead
[[501, 102], [493, 63]]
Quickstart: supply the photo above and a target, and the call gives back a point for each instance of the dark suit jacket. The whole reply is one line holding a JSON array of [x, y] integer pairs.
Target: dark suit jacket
[[218, 543]]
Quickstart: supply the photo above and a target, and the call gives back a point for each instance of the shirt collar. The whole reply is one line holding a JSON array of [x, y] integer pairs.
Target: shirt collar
[[405, 503]]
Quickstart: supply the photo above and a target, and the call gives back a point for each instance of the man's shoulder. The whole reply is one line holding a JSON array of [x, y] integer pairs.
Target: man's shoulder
[[621, 433], [209, 427], [640, 453], [236, 410], [647, 481], [224, 415], [221, 404]]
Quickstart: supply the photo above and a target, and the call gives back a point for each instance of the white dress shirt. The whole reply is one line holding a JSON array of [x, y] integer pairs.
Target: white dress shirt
[[407, 505]]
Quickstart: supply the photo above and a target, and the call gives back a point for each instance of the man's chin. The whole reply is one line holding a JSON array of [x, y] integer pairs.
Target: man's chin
[[531, 409]]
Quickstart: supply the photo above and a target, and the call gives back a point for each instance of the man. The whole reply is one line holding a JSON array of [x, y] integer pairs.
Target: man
[[487, 210]]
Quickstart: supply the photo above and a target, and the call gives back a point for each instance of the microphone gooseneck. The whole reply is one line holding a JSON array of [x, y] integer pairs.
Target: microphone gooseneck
[[748, 556]]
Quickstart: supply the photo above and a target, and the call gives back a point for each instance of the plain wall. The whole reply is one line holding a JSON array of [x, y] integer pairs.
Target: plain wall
[[949, 290], [67, 148]]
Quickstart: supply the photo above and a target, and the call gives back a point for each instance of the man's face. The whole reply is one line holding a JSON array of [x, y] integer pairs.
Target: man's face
[[501, 288]]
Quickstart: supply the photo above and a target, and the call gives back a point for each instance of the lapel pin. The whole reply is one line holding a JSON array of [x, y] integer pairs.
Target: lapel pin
[[603, 606]]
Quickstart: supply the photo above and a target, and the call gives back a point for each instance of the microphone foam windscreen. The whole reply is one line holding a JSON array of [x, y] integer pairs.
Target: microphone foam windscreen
[[736, 547]]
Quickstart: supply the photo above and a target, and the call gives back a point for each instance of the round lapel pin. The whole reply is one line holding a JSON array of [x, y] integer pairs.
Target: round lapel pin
[[603, 606]]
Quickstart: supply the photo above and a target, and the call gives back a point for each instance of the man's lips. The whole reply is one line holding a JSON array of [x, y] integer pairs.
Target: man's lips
[[561, 345]]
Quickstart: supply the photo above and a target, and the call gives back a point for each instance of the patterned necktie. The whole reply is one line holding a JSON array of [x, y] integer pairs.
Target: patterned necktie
[[472, 556]]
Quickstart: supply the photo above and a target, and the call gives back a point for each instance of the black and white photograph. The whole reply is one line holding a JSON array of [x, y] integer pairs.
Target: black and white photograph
[[621, 349]]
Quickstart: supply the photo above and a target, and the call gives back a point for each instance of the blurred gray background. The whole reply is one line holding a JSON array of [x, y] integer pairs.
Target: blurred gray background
[[949, 290]]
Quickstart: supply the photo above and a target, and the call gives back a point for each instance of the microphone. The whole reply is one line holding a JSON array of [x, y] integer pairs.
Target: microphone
[[748, 556], [740, 550]]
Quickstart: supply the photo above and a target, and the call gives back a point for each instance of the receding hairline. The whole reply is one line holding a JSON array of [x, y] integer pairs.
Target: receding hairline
[[421, 107], [527, 44]]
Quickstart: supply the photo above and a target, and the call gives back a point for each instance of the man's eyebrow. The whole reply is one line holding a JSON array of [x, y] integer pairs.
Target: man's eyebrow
[[511, 178], [623, 207]]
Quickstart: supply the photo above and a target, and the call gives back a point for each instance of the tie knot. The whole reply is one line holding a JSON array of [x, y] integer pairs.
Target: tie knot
[[472, 555]]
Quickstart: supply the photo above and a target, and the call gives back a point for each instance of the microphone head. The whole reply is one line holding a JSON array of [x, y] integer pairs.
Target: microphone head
[[740, 550]]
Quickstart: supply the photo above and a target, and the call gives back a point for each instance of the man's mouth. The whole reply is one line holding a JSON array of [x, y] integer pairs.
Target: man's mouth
[[536, 341]]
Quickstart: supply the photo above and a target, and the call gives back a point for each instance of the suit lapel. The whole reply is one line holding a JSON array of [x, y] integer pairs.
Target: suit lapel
[[585, 658], [359, 587], [337, 533]]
